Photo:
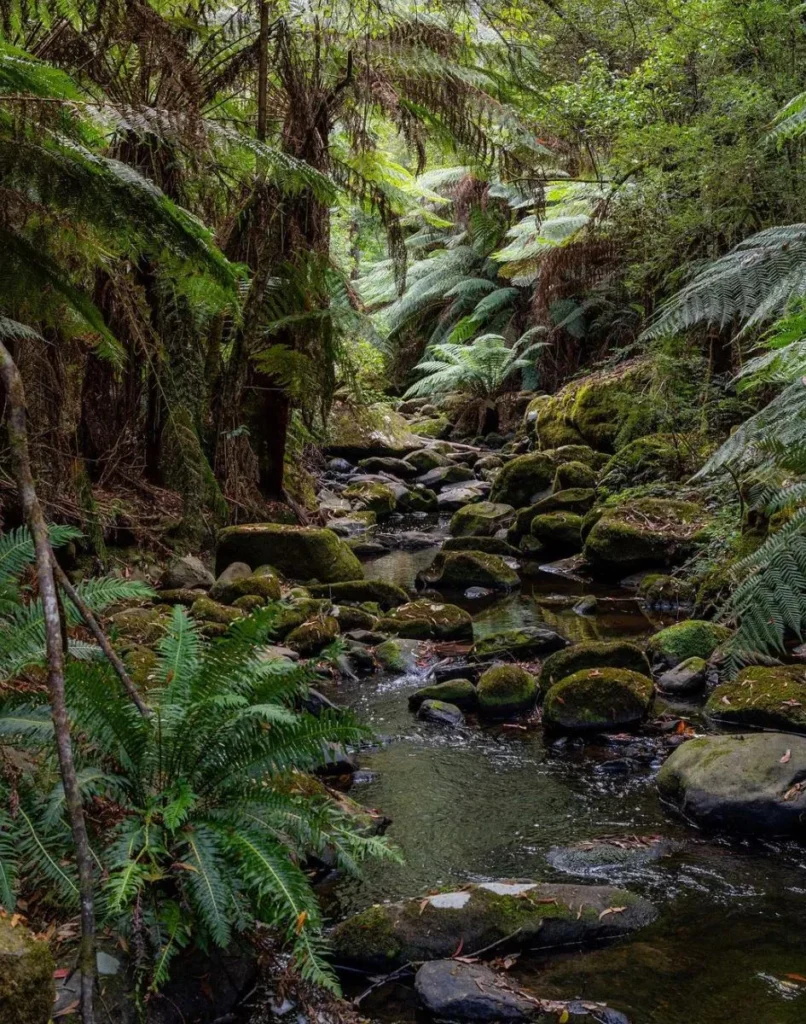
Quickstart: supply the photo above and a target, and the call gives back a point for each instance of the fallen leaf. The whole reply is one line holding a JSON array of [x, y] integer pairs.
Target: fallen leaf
[[564, 1017], [302, 917], [796, 977], [67, 1010], [612, 910], [786, 757], [423, 904], [458, 949], [61, 972], [725, 700]]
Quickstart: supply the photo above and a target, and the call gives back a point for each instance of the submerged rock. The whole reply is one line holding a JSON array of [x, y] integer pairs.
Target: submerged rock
[[482, 519], [746, 783], [600, 858], [299, 552], [762, 697], [457, 570], [428, 620], [26, 976], [460, 692], [387, 936], [694, 638], [440, 712], [519, 644], [598, 700], [591, 654], [505, 690]]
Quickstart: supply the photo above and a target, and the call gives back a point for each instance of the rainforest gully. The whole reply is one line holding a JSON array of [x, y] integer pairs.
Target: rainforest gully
[[402, 512]]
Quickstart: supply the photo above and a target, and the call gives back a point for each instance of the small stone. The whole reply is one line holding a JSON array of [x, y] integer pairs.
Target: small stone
[[459, 692], [187, 572], [453, 990], [506, 689], [687, 677], [440, 712]]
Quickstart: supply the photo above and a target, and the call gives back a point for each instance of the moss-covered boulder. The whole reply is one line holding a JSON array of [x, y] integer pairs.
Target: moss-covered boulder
[[664, 593], [458, 570], [309, 638], [351, 618], [142, 625], [387, 936], [372, 497], [428, 620], [396, 655], [482, 519], [576, 500], [558, 532], [523, 480], [571, 475], [299, 552], [762, 697], [519, 644], [694, 638], [419, 499], [426, 459], [644, 533], [654, 458], [446, 476], [27, 991], [387, 595], [505, 690], [263, 583], [356, 432], [591, 654], [396, 467], [435, 426], [751, 783], [578, 453], [460, 692], [141, 664], [207, 610], [598, 700]]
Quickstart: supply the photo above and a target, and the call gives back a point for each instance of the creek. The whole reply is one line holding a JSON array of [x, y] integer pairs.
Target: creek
[[482, 803]]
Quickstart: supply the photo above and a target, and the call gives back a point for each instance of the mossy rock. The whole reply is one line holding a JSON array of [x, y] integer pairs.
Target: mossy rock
[[437, 427], [309, 638], [654, 458], [762, 697], [249, 603], [27, 991], [440, 712], [483, 519], [395, 467], [393, 656], [591, 654], [298, 552], [143, 625], [487, 545], [353, 618], [458, 570], [428, 620], [288, 617], [577, 500], [750, 783], [426, 459], [263, 583], [505, 690], [519, 644], [571, 475], [446, 476], [643, 533], [184, 596], [387, 595], [532, 409], [372, 497], [558, 532], [577, 453], [598, 700], [420, 499], [694, 638], [208, 610], [460, 692], [554, 427], [384, 937], [662, 592], [141, 664], [523, 480], [356, 432]]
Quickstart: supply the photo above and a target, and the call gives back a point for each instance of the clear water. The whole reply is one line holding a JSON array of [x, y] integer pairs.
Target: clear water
[[481, 803]]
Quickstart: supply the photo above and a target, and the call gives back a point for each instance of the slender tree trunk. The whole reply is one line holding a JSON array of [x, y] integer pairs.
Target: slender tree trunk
[[35, 520]]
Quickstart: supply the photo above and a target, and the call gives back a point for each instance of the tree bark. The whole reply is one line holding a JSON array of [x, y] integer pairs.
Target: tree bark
[[35, 521]]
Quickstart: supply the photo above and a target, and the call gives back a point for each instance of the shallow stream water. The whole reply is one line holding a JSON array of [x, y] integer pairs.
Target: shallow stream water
[[484, 803]]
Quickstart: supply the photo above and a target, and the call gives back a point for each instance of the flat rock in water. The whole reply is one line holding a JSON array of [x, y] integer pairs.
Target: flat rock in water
[[453, 498], [515, 913], [746, 783], [440, 712]]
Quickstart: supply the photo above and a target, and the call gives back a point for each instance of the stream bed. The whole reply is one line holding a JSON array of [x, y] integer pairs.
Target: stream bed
[[482, 803]]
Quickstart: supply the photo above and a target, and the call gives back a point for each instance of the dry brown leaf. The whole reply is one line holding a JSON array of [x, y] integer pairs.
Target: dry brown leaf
[[785, 759], [612, 910]]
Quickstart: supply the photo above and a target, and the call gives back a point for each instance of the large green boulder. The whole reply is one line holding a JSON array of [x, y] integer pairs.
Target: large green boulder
[[426, 459], [558, 532], [396, 467], [747, 783], [371, 496], [654, 458], [518, 644], [207, 610], [482, 519], [299, 552], [591, 654], [458, 570], [577, 500], [577, 453], [356, 432], [311, 637], [505, 690], [694, 638], [428, 620], [460, 692], [264, 583], [598, 700], [387, 595], [523, 480], [573, 474], [27, 991], [479, 915], [762, 697], [643, 533]]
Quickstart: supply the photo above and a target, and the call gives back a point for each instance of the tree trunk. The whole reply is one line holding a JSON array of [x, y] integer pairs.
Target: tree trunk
[[35, 520]]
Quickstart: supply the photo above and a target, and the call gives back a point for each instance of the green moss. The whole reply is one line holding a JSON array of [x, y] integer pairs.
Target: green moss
[[460, 692], [504, 689], [762, 697], [391, 656], [576, 500], [588, 655], [658, 590], [299, 552], [558, 532], [577, 453], [249, 603], [369, 937], [142, 625], [353, 618], [426, 459], [428, 620], [523, 479], [309, 638], [27, 991], [418, 500], [356, 431], [457, 570], [438, 426], [387, 595], [372, 497], [642, 533], [656, 457], [519, 644], [264, 584], [689, 639], [482, 519], [180, 595], [288, 618], [141, 664], [598, 699], [487, 545], [573, 474], [211, 611]]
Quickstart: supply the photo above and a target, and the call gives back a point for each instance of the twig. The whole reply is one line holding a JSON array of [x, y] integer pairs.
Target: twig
[[100, 636], [408, 966], [498, 942]]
